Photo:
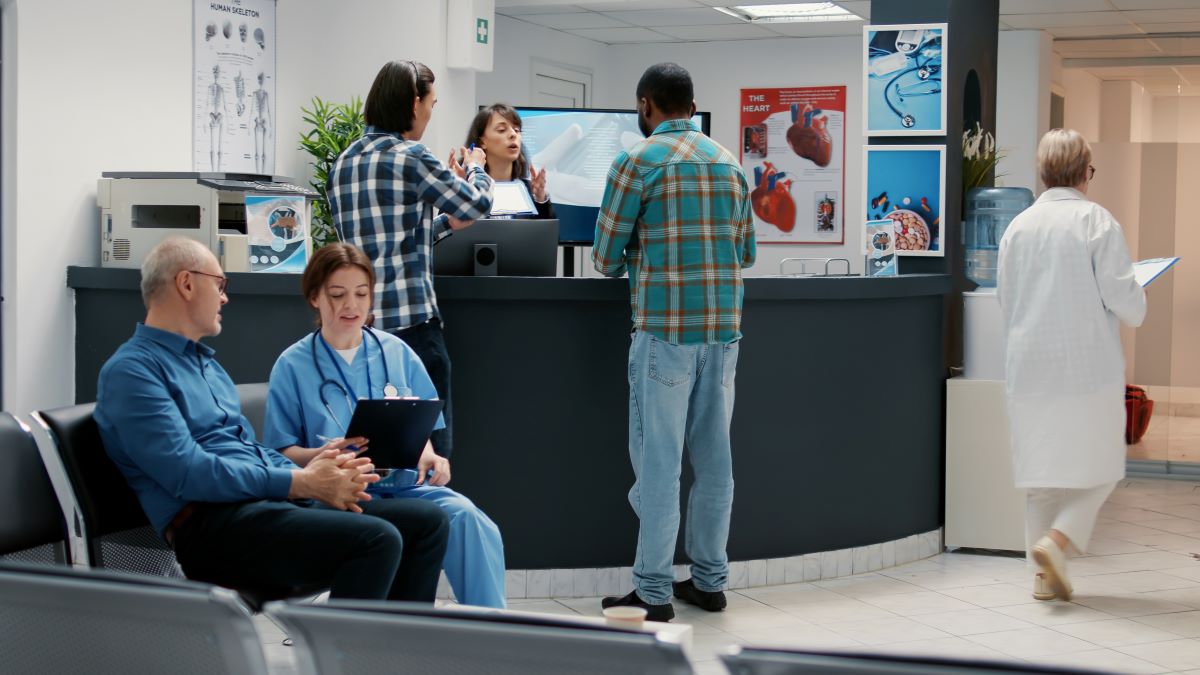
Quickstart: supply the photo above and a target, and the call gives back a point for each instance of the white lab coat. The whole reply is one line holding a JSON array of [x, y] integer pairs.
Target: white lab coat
[[1064, 281]]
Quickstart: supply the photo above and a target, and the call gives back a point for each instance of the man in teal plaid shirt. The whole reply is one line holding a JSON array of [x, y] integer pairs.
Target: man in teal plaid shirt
[[676, 214]]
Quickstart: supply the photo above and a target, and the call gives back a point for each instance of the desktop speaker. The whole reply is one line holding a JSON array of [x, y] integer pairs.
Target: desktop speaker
[[485, 260]]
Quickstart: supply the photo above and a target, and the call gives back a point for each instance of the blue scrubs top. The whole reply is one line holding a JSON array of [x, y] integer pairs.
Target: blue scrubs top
[[295, 413]]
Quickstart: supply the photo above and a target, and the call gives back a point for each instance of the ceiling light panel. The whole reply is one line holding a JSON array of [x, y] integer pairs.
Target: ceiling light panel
[[796, 12]]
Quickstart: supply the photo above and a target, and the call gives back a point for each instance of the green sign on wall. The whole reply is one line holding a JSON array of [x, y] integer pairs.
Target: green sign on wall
[[481, 31]]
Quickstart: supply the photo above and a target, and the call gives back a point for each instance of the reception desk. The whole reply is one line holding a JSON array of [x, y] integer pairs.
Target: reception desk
[[837, 430]]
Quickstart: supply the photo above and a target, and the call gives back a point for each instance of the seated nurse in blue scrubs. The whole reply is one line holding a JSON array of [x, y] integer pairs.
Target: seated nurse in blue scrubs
[[316, 382]]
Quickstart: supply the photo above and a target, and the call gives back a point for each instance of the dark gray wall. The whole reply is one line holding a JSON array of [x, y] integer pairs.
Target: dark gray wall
[[973, 35]]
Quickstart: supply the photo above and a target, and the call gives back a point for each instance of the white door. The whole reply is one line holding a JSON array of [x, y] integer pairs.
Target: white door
[[553, 85]]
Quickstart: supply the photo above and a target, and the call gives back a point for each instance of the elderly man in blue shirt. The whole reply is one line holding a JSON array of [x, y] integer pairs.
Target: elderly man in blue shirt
[[237, 513]]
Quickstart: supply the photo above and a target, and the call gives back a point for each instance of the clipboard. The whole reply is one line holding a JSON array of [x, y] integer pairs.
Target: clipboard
[[1146, 271], [511, 198], [396, 429]]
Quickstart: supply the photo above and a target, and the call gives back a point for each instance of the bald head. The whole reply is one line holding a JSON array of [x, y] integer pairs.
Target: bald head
[[168, 259]]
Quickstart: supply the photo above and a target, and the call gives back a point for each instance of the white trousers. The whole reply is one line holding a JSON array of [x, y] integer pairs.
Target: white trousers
[[1068, 510]]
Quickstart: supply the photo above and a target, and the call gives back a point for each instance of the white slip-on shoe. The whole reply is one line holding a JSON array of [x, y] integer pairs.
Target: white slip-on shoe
[[1041, 589], [1053, 562]]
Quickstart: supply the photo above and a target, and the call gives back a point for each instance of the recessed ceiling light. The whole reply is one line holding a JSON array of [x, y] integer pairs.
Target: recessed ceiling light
[[796, 12]]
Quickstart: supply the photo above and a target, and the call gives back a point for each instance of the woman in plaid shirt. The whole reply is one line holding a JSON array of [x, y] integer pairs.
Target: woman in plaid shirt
[[382, 194]]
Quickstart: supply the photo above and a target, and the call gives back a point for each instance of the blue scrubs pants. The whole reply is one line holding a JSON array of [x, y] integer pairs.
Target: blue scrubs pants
[[474, 561]]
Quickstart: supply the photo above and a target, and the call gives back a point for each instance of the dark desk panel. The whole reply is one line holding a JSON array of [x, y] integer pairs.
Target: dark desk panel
[[837, 432]]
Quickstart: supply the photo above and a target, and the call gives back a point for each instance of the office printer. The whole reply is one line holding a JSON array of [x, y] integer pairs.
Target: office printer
[[138, 209]]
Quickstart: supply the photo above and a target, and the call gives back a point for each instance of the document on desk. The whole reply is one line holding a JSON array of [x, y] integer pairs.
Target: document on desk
[[1146, 271]]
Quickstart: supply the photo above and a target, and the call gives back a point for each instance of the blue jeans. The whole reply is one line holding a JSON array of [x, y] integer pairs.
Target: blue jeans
[[678, 394]]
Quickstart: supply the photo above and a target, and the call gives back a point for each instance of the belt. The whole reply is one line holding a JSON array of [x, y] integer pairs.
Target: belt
[[431, 321], [177, 522]]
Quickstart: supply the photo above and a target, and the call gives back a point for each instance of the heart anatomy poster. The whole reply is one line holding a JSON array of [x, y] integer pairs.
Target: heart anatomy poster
[[793, 150]]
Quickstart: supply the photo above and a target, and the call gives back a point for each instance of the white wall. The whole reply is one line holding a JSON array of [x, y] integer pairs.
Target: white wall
[[336, 53], [101, 86], [721, 69], [1175, 119], [107, 86], [1023, 76], [518, 43], [1081, 106]]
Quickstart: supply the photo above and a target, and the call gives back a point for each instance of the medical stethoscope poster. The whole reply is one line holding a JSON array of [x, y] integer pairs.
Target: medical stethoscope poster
[[907, 185], [793, 148], [233, 86], [903, 70], [277, 229]]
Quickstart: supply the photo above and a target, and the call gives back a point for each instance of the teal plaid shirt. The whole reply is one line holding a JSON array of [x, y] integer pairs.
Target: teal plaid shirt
[[676, 214]]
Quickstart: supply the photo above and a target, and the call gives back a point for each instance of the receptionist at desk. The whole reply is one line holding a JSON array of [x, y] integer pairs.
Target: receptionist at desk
[[496, 129]]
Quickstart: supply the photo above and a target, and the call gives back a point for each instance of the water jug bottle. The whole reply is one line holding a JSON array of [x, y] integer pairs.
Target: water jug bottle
[[989, 210]]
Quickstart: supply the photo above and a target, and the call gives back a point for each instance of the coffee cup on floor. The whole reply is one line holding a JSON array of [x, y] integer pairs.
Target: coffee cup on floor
[[625, 617]]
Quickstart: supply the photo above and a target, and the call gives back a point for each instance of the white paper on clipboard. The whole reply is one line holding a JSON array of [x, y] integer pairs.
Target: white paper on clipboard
[[1146, 271]]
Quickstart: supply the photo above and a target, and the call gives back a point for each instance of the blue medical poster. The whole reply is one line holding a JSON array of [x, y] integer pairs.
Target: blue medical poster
[[907, 184], [277, 226], [903, 70]]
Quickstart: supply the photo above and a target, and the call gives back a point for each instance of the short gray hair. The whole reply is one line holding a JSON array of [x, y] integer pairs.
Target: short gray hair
[[168, 259], [1063, 157]]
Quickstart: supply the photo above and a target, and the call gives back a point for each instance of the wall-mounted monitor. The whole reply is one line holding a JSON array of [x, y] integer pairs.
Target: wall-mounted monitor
[[576, 147]]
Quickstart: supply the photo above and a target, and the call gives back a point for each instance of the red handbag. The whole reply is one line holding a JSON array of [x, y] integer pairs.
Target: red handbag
[[1138, 410]]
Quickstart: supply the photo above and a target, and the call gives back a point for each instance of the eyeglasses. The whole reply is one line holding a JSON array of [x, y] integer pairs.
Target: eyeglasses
[[1091, 172], [222, 282]]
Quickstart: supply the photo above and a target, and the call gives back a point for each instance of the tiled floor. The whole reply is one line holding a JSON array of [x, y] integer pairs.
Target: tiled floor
[[1172, 438], [1136, 610]]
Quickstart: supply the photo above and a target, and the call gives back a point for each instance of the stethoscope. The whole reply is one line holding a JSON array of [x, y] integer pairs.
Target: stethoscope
[[925, 71], [344, 386]]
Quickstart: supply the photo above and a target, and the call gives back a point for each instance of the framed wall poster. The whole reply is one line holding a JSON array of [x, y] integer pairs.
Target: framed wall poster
[[907, 183], [903, 70], [233, 86], [793, 150]]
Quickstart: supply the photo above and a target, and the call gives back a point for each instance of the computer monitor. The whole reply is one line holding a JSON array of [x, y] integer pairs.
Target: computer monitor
[[508, 248], [576, 147]]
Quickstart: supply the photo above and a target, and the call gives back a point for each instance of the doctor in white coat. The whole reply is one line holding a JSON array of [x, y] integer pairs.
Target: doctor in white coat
[[1065, 280]]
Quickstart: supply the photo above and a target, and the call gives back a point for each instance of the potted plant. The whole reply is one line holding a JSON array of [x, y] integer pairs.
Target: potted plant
[[332, 128]]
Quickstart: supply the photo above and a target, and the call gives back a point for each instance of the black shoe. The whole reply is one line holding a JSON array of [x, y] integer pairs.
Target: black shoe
[[711, 601], [653, 612]]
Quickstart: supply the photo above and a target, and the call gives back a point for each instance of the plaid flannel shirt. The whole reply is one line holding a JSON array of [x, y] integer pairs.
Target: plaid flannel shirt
[[382, 191], [676, 214]]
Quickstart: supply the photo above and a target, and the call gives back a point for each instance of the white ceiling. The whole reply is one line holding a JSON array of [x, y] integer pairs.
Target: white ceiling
[[1112, 39]]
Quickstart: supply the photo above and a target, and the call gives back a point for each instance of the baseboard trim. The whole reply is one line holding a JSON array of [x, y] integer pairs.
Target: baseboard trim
[[592, 582]]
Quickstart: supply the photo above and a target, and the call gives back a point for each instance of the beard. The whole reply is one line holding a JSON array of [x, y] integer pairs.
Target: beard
[[644, 125]]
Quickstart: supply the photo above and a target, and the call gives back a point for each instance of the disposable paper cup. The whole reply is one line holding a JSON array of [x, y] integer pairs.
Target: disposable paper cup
[[625, 617]]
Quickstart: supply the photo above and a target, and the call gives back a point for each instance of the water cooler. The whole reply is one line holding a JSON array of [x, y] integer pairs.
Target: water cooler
[[983, 509]]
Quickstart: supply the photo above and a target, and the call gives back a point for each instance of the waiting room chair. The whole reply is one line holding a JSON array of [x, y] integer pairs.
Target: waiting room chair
[[111, 523], [759, 661], [108, 518], [387, 637], [32, 528], [254, 405], [67, 620]]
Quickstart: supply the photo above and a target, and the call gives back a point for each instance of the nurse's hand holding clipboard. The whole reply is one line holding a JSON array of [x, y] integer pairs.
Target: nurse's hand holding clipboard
[[440, 466]]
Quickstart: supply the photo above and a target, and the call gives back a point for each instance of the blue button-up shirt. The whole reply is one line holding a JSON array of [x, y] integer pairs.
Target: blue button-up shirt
[[170, 420]]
